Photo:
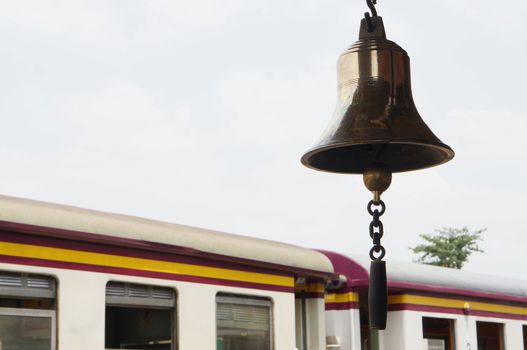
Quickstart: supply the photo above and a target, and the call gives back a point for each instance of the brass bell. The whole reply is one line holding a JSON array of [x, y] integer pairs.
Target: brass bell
[[376, 130], [375, 121]]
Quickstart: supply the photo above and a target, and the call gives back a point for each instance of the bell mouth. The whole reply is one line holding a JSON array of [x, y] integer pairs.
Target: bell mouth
[[398, 156]]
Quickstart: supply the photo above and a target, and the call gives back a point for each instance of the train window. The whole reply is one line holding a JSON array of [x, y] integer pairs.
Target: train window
[[524, 337], [27, 312], [490, 336], [243, 323], [139, 317], [438, 333]]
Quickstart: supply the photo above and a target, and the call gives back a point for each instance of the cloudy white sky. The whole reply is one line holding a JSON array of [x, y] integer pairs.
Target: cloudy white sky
[[197, 112]]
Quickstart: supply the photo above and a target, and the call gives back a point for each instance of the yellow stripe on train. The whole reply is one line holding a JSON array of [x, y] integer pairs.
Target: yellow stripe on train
[[108, 260], [342, 297], [455, 304], [310, 288]]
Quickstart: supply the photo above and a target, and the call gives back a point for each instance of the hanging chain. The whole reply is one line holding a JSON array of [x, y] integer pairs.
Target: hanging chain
[[376, 228]]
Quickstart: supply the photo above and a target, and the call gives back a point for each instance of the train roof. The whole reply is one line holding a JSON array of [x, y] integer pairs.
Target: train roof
[[32, 216], [414, 276]]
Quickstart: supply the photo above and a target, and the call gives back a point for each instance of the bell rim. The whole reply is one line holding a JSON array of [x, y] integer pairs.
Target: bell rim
[[447, 151]]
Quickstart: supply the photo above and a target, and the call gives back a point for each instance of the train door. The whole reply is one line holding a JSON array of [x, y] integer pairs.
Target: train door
[[309, 315]]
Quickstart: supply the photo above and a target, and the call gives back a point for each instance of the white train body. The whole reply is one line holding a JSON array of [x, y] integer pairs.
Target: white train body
[[93, 268], [78, 279]]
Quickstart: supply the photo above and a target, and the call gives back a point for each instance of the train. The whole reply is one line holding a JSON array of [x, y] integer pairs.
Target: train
[[73, 278]]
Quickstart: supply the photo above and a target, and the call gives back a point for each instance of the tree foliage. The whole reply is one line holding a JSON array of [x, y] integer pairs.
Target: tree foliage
[[448, 247]]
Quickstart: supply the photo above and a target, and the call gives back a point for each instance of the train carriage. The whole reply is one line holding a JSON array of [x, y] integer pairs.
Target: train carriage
[[429, 307], [72, 278]]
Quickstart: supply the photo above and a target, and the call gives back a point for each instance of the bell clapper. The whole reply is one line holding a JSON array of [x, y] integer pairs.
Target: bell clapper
[[377, 178]]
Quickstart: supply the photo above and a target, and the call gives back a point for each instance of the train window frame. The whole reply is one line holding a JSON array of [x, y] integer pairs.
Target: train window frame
[[30, 295], [501, 333], [450, 339], [43, 313], [249, 300], [120, 298], [27, 286]]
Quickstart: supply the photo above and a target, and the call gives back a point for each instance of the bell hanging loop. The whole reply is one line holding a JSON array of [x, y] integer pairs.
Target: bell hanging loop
[[367, 16]]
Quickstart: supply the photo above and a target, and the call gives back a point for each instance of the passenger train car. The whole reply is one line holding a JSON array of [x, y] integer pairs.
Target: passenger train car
[[429, 307], [73, 278]]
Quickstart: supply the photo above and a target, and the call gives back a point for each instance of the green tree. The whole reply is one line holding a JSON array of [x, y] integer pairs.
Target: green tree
[[448, 247]]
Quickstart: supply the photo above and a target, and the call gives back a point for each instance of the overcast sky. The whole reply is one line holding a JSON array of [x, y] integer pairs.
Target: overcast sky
[[197, 112]]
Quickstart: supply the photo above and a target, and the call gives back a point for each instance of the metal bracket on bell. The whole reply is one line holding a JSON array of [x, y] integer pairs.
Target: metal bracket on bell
[[377, 178], [367, 16], [372, 27]]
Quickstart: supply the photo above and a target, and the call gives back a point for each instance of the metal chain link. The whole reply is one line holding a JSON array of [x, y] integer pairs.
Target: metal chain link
[[376, 229]]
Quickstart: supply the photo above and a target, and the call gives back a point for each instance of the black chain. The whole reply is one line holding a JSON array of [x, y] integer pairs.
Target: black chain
[[376, 229]]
